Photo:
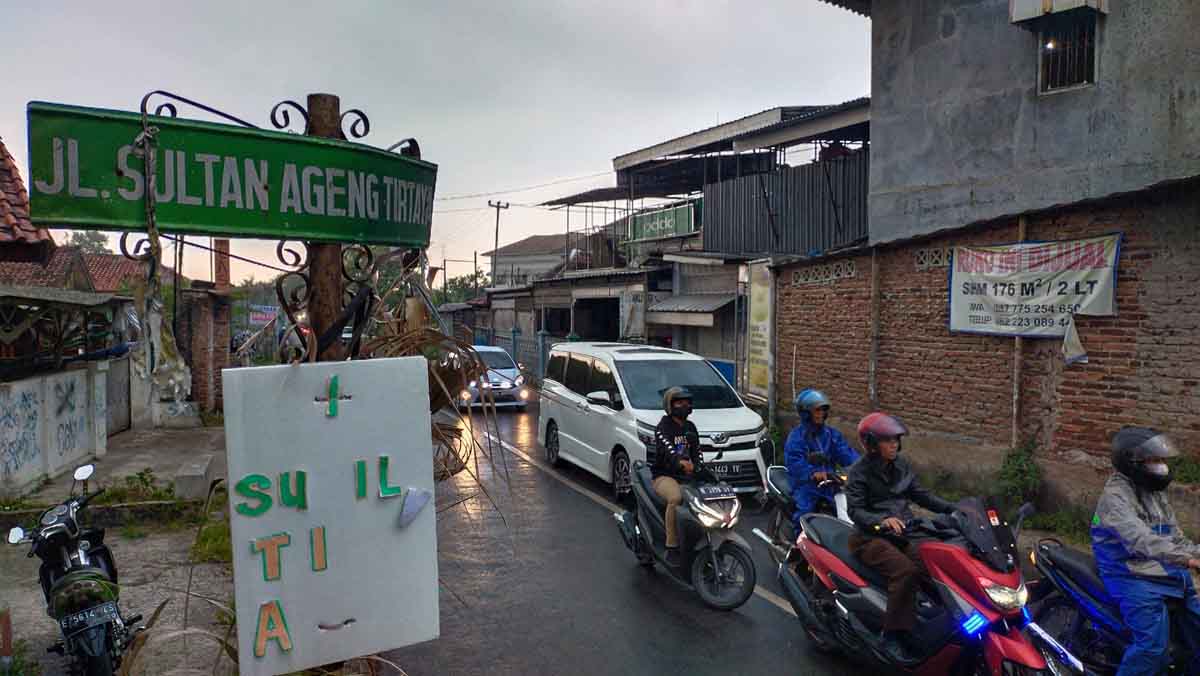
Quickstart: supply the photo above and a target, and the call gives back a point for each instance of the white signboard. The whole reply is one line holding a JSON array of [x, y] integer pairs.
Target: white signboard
[[759, 335], [331, 507], [1034, 288]]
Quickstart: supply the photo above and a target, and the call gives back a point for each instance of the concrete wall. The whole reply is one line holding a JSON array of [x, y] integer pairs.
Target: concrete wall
[[50, 424], [960, 133]]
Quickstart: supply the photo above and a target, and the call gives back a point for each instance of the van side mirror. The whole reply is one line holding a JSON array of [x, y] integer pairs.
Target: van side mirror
[[599, 398]]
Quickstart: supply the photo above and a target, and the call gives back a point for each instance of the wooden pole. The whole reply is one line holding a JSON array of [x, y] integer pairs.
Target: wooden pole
[[325, 260], [1018, 348]]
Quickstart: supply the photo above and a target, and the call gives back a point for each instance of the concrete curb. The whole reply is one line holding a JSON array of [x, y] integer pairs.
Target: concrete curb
[[113, 516]]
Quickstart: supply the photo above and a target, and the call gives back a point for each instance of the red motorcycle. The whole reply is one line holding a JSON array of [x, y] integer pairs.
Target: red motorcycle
[[971, 610]]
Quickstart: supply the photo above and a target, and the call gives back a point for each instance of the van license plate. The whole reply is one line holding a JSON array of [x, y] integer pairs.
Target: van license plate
[[727, 468]]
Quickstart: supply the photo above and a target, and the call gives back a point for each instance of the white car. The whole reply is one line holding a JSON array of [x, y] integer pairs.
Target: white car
[[600, 403], [503, 381]]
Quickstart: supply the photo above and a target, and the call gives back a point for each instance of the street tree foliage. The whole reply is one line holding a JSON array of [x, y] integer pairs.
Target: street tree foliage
[[89, 241]]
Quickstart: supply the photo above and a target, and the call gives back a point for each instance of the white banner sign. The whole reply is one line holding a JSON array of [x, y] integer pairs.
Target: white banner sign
[[331, 510], [759, 334], [1033, 288]]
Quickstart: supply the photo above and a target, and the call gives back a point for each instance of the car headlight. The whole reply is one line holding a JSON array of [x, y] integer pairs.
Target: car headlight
[[519, 381], [646, 435], [471, 384], [1005, 598], [487, 385]]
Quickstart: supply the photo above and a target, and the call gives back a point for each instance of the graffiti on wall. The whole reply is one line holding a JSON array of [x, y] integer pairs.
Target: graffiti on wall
[[70, 421], [19, 410]]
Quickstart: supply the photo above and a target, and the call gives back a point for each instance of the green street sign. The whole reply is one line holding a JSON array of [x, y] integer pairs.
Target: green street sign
[[680, 219], [217, 179]]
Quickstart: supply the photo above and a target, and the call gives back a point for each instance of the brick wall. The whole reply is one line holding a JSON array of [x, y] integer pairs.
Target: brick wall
[[1144, 364]]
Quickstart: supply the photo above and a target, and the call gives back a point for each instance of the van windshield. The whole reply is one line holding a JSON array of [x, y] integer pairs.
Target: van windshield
[[497, 360], [647, 380]]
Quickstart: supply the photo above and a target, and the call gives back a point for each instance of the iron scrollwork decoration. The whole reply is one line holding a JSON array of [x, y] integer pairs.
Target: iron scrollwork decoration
[[358, 269], [294, 289], [141, 247], [360, 127], [168, 109], [280, 118], [408, 148]]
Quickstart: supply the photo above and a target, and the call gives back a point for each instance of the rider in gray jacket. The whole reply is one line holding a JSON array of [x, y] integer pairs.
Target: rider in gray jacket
[[1142, 555]]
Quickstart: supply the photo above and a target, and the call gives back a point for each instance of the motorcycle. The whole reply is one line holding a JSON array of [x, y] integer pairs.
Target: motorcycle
[[970, 609], [713, 560], [79, 582], [779, 495], [1075, 609]]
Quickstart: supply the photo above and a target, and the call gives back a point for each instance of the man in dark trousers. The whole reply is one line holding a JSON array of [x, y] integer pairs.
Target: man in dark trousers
[[878, 492], [676, 458]]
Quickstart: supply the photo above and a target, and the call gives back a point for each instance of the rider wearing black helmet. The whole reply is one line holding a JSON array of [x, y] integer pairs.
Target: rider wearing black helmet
[[676, 457], [1141, 554]]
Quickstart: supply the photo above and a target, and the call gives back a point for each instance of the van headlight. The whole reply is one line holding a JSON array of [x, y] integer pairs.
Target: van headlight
[[1005, 598], [645, 434], [519, 381]]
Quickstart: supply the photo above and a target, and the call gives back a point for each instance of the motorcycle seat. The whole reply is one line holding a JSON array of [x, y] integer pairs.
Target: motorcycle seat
[[777, 476], [642, 472], [834, 535], [1080, 567]]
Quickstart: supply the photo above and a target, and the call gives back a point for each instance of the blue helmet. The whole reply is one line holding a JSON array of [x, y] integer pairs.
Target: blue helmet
[[808, 399]]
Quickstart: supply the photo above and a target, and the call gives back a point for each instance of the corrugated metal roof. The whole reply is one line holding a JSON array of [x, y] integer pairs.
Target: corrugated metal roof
[[695, 303], [53, 295]]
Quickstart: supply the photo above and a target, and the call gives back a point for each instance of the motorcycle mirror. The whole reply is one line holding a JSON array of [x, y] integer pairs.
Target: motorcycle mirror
[[16, 535], [1027, 510], [84, 472]]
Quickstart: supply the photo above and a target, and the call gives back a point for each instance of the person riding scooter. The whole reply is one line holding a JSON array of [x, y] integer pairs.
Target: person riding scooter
[[878, 492], [812, 452], [676, 458], [1142, 556]]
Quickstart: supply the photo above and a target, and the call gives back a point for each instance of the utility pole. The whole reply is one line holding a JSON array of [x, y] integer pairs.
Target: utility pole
[[325, 260], [475, 277], [497, 205]]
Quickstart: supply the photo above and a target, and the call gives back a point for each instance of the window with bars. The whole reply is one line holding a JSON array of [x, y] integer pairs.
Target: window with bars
[[1067, 51]]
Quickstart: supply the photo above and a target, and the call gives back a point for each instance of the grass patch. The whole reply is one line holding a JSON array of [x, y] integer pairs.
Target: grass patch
[[1072, 524], [1186, 469], [19, 504], [22, 664], [140, 487], [132, 531], [213, 544], [212, 418], [1020, 475]]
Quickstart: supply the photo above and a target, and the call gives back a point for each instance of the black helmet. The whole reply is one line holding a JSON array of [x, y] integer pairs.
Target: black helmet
[[672, 394], [1132, 447]]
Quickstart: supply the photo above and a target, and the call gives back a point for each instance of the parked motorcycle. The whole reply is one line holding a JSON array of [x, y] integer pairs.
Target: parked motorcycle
[[971, 610], [1075, 609], [79, 582], [713, 560], [779, 493]]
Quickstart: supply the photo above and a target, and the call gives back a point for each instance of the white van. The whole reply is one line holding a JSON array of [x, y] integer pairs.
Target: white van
[[600, 403]]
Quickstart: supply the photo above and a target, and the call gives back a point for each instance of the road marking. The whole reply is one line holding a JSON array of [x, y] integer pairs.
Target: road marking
[[760, 591]]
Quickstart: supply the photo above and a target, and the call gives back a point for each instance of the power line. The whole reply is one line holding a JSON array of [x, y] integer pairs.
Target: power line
[[522, 189]]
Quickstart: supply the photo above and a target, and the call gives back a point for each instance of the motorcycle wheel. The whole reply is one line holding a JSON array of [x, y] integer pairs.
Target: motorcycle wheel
[[1060, 618], [782, 533], [737, 568], [98, 666]]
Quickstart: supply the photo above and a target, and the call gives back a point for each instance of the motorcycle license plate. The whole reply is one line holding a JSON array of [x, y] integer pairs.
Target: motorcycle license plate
[[716, 492], [101, 614], [726, 468]]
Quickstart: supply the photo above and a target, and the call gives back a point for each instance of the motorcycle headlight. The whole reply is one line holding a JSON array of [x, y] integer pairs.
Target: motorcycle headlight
[[711, 517], [1005, 598]]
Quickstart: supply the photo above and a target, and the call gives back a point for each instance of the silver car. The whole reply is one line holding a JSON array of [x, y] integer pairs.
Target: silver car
[[503, 381]]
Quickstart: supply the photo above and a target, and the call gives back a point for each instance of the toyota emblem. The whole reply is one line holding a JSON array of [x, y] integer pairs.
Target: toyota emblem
[[720, 438]]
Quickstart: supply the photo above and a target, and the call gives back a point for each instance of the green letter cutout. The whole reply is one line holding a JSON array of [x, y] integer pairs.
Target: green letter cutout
[[360, 479], [289, 498], [254, 487], [386, 491]]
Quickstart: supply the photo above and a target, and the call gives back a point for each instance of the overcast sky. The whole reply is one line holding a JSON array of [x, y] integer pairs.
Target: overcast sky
[[500, 94]]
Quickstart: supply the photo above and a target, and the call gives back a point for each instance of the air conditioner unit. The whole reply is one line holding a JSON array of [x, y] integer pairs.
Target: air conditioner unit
[[1022, 11]]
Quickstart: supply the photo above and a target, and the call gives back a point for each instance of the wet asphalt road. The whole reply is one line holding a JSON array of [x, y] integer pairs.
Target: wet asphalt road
[[536, 580]]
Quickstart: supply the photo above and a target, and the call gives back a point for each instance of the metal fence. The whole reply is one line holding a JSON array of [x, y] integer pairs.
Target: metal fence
[[798, 210]]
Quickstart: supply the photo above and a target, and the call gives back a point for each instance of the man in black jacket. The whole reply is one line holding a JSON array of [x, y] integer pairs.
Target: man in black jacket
[[878, 492], [676, 457]]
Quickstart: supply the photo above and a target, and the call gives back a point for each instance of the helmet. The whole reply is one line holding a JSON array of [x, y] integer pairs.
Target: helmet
[[672, 394], [1134, 446], [809, 399], [878, 426]]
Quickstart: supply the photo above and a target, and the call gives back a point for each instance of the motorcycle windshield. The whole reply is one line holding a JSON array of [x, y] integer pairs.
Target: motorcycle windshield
[[989, 535]]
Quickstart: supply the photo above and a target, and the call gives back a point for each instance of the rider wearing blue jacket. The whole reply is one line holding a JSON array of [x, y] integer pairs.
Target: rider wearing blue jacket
[[812, 451], [1142, 556]]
